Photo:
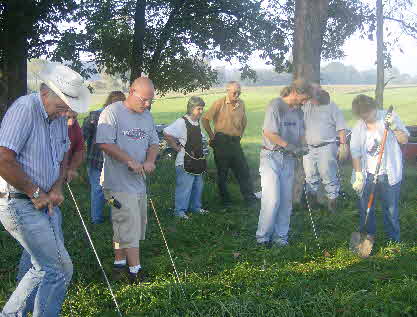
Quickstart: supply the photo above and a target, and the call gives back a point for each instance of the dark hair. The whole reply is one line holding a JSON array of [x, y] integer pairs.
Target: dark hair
[[302, 87], [114, 96], [285, 91], [362, 104], [323, 97]]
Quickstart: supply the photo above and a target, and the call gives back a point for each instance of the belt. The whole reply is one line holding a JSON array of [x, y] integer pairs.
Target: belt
[[320, 145], [14, 195], [278, 149]]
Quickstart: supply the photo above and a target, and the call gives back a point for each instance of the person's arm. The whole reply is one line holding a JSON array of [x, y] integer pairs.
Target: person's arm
[[356, 163], [209, 116], [245, 119], [275, 138], [172, 142], [398, 128], [11, 171], [206, 125]]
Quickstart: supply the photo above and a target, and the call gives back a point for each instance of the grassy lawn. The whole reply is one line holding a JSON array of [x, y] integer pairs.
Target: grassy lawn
[[223, 272]]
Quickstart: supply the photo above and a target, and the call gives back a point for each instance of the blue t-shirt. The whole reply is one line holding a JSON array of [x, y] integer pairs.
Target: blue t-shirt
[[287, 122]]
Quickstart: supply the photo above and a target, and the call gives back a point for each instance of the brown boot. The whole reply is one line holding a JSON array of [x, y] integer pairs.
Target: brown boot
[[332, 205]]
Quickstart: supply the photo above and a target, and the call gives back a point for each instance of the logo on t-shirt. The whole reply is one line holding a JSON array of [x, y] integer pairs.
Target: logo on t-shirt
[[374, 149], [135, 134], [290, 123]]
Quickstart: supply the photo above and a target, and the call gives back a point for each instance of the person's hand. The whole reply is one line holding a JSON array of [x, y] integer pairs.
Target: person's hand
[[41, 202], [389, 120], [135, 167], [212, 143], [149, 167], [359, 182], [71, 174], [343, 152], [56, 197]]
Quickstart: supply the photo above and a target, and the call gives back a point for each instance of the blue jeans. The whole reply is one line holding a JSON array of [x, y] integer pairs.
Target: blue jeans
[[43, 287], [321, 164], [188, 191], [389, 196], [277, 178], [97, 196]]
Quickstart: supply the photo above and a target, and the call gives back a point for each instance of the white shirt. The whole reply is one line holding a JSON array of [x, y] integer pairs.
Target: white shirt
[[392, 153], [373, 142], [178, 130]]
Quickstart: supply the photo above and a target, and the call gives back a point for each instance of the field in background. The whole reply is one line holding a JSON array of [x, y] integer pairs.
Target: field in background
[[222, 270]]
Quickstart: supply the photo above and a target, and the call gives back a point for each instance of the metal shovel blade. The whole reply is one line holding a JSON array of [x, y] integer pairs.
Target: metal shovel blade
[[361, 244]]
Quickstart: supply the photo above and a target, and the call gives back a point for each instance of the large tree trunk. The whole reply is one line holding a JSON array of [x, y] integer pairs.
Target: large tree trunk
[[310, 24], [138, 41], [379, 92], [14, 59]]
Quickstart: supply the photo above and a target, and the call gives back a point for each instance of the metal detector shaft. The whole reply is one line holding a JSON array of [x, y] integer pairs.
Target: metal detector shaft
[[95, 252]]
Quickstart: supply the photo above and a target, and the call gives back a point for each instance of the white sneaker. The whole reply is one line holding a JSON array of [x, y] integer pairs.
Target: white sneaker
[[279, 243], [258, 195], [202, 211], [182, 216]]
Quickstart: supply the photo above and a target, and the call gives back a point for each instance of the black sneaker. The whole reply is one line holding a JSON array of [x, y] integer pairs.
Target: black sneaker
[[137, 278], [119, 271], [264, 244]]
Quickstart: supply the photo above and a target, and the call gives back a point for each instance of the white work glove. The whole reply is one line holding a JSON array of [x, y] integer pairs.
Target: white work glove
[[343, 152], [389, 119], [359, 182]]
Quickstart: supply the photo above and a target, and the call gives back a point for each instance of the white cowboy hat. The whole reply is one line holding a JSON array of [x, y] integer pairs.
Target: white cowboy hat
[[67, 84]]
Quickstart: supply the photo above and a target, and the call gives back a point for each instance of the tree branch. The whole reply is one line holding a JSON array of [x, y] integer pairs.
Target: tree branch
[[412, 29]]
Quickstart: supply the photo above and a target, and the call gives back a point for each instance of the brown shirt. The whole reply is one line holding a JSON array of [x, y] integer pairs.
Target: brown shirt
[[228, 118]]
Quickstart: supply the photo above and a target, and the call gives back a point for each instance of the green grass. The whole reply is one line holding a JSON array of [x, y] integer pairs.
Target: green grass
[[223, 272]]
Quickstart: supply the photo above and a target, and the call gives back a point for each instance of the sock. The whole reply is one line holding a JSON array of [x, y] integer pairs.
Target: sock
[[134, 269], [120, 262]]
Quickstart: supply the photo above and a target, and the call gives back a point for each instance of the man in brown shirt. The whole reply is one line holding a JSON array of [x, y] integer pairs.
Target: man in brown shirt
[[229, 118]]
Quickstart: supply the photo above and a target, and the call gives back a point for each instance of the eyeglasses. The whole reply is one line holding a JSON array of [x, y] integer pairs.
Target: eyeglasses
[[145, 101]]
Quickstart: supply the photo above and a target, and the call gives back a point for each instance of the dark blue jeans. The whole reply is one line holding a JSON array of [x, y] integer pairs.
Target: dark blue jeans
[[389, 197]]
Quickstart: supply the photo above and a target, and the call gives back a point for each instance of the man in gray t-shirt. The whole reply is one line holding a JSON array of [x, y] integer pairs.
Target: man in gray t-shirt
[[127, 135], [283, 138], [323, 121]]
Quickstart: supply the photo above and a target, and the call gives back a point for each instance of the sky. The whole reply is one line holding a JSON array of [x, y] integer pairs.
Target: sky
[[361, 53]]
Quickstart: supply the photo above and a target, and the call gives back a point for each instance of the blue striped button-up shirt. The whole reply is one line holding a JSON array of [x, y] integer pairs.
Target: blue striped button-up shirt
[[39, 143]]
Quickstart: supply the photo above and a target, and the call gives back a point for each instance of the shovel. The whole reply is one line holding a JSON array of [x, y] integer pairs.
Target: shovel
[[361, 243]]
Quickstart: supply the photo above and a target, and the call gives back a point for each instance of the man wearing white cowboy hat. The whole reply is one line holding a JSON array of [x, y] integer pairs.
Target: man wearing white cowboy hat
[[33, 145]]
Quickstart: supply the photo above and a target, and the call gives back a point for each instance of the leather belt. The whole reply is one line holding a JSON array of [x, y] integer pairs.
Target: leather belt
[[320, 145], [279, 149], [14, 195]]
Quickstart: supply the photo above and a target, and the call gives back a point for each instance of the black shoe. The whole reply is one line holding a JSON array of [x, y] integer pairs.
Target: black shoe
[[137, 278], [119, 272], [264, 244]]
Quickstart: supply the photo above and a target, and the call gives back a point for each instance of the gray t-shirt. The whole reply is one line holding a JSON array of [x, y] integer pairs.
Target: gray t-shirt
[[133, 132], [322, 122], [285, 121]]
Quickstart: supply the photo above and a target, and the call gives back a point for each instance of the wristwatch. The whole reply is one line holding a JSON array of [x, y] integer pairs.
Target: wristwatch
[[36, 194]]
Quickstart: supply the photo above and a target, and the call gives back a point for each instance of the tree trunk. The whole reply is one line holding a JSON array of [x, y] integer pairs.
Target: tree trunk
[[14, 59], [138, 41], [379, 92], [310, 24]]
